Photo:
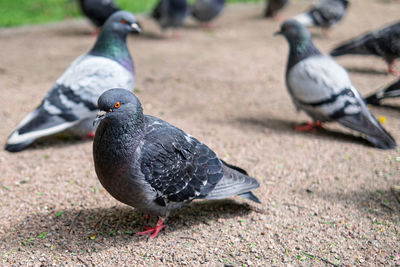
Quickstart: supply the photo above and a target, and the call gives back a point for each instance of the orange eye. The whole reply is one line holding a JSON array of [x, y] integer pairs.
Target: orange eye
[[123, 21], [117, 105]]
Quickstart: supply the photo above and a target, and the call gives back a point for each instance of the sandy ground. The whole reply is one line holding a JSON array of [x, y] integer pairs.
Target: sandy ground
[[326, 195]]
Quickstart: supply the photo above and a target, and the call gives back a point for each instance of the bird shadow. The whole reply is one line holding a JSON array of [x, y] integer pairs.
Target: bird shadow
[[75, 31], [72, 229], [367, 71], [286, 126]]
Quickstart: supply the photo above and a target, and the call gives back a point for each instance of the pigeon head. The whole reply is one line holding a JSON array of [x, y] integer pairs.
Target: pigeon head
[[295, 33], [119, 105], [122, 22]]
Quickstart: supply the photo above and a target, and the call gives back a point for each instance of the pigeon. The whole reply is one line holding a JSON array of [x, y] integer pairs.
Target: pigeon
[[98, 11], [171, 13], [207, 10], [324, 15], [384, 42], [71, 105], [273, 7], [391, 91], [322, 88], [155, 167]]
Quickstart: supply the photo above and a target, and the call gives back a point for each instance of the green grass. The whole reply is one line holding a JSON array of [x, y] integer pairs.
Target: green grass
[[26, 12]]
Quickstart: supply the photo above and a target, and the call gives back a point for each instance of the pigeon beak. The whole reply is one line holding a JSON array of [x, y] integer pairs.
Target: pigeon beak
[[136, 28], [278, 33], [100, 115]]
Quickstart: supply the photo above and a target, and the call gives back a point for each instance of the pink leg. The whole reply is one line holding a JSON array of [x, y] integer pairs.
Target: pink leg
[[208, 26], [309, 126], [154, 230], [96, 32], [392, 67], [89, 135]]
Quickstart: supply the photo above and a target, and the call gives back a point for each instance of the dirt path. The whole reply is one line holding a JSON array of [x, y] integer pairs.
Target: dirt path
[[326, 195]]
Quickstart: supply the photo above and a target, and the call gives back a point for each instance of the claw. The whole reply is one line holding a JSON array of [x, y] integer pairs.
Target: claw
[[309, 126], [153, 230]]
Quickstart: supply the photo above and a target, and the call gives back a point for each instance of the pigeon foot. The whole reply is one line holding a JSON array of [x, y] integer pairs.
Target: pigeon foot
[[309, 126], [392, 69], [89, 135], [153, 230]]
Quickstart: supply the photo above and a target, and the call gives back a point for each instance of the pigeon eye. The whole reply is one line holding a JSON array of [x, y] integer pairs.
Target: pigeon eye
[[117, 105], [123, 21]]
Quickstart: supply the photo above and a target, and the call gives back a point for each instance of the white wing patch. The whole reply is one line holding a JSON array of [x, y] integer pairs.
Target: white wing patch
[[89, 76], [317, 78]]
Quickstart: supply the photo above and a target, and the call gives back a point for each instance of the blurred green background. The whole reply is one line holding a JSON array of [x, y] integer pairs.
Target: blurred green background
[[25, 12]]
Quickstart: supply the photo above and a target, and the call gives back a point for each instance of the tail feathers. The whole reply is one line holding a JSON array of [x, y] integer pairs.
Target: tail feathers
[[234, 183], [355, 47], [236, 168], [365, 123], [36, 125], [373, 100], [249, 195]]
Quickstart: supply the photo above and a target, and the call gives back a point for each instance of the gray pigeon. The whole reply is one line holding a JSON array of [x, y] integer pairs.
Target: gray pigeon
[[155, 167], [273, 7], [171, 13], [383, 43], [391, 91], [207, 10], [98, 11], [71, 104], [322, 88], [324, 15]]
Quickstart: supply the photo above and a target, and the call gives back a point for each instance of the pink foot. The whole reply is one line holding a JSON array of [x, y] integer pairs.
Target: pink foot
[[89, 135], [155, 230], [279, 17], [96, 32], [309, 126], [392, 67], [208, 27]]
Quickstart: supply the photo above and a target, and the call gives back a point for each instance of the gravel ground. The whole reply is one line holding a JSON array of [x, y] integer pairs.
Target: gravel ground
[[326, 195]]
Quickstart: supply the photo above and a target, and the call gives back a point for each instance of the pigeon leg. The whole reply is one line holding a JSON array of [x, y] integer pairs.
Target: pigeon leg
[[89, 135], [208, 26], [279, 17], [96, 32], [391, 69], [309, 126], [153, 230]]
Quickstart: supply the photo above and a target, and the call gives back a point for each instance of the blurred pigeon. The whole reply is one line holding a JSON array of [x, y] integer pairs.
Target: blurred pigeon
[[207, 10], [171, 13], [155, 167], [98, 11], [322, 88], [391, 91], [325, 14], [71, 105], [383, 43], [273, 7]]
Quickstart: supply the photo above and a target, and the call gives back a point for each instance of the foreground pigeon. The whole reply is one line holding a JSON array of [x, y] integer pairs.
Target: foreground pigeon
[[171, 13], [273, 7], [391, 91], [98, 11], [384, 43], [71, 104], [207, 10], [155, 167], [324, 15], [322, 88]]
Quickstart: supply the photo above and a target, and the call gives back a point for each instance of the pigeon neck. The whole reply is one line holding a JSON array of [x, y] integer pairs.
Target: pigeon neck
[[113, 45], [300, 50]]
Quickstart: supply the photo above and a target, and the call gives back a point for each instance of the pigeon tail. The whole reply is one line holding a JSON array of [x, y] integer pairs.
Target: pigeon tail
[[34, 126], [391, 91], [234, 183], [355, 47], [365, 123], [249, 195]]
